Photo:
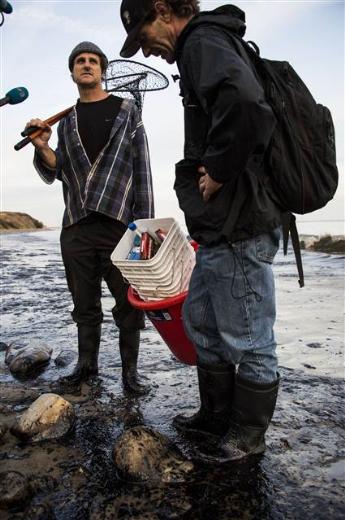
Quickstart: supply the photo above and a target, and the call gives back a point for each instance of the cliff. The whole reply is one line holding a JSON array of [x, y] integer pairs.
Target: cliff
[[11, 220]]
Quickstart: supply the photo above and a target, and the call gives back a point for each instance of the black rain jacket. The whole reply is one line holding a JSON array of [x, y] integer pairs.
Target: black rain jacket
[[228, 126]]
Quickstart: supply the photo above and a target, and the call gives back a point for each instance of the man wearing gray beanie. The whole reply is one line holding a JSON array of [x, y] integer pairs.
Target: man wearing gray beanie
[[102, 160], [90, 48]]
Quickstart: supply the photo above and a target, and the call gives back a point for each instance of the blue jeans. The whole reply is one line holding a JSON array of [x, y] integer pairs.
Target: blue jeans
[[229, 312]]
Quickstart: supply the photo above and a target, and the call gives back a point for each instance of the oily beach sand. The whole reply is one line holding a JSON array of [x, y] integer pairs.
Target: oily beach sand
[[300, 476]]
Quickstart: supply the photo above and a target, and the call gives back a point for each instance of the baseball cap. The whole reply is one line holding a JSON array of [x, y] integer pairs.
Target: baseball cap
[[133, 15], [87, 47]]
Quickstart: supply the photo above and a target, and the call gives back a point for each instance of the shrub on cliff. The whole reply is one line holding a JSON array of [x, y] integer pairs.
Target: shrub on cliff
[[328, 244]]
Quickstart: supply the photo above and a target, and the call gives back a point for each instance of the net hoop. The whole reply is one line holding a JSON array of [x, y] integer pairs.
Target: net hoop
[[127, 75]]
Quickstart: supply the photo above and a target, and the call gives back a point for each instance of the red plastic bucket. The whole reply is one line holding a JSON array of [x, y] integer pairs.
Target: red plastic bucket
[[166, 316]]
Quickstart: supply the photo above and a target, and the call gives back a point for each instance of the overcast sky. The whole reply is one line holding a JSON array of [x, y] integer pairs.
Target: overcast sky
[[37, 38]]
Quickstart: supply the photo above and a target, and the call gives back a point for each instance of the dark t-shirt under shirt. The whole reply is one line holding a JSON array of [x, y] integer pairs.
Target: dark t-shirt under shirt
[[95, 121]]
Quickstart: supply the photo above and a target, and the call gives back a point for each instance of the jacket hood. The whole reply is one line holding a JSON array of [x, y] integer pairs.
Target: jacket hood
[[228, 16]]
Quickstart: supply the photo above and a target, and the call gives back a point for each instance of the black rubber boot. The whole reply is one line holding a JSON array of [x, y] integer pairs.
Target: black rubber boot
[[129, 350], [252, 411], [88, 347], [216, 384]]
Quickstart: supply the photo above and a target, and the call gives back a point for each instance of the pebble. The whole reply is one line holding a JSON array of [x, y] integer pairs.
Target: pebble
[[65, 358]]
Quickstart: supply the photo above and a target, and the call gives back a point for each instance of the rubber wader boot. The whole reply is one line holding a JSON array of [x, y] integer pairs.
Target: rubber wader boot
[[89, 338], [216, 384], [251, 414], [129, 351]]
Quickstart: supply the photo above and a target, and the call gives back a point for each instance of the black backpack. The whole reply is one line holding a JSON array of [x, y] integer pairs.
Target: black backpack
[[301, 155]]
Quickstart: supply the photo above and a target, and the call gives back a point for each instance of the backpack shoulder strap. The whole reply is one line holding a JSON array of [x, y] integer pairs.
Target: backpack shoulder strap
[[290, 228]]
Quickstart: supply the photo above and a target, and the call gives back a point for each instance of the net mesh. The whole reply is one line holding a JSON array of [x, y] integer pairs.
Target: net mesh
[[131, 79]]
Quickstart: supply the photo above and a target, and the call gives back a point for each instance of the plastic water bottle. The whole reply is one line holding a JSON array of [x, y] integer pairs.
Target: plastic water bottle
[[134, 253], [133, 227]]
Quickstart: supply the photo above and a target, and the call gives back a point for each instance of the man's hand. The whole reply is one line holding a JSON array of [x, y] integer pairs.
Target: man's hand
[[207, 186], [40, 142]]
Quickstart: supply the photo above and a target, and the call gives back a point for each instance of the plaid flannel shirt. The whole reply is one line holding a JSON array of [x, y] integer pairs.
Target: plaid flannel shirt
[[118, 184]]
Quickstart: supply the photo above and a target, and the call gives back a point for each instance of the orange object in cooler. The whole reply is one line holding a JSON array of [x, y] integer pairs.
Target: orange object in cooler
[[166, 316]]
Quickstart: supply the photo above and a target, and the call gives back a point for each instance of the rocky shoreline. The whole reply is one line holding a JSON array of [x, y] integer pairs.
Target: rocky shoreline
[[77, 477]]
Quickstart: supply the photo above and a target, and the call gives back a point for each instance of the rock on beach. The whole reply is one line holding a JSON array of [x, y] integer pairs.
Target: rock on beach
[[49, 417], [142, 454], [24, 360], [65, 358]]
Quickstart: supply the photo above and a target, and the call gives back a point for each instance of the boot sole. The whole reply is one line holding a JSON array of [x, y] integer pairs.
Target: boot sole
[[214, 459], [194, 431]]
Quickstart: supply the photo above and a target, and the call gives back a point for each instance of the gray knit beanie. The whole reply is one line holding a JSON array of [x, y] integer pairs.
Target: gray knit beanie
[[87, 47]]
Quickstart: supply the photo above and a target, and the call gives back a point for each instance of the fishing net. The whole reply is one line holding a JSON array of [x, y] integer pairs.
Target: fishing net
[[131, 79]]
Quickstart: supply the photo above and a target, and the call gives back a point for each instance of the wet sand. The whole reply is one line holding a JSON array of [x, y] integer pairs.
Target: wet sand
[[301, 474]]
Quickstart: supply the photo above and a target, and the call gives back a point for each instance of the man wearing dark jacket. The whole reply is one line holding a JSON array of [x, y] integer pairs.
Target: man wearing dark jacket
[[230, 310]]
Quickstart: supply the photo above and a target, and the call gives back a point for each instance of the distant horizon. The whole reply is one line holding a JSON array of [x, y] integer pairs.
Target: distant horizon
[[47, 227]]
